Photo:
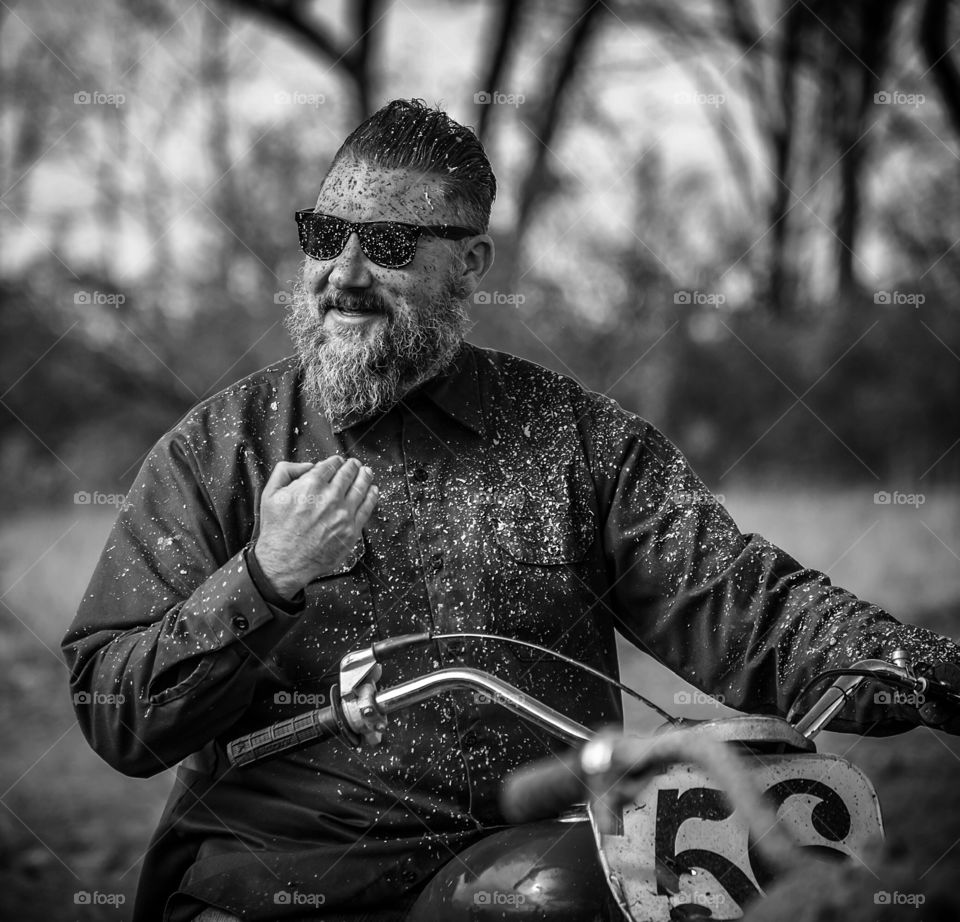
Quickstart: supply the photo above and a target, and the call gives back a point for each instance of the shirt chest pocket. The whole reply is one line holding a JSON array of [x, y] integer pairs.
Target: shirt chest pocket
[[544, 521]]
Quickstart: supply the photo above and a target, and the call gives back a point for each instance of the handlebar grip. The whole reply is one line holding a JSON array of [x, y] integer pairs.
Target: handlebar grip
[[282, 736], [543, 789]]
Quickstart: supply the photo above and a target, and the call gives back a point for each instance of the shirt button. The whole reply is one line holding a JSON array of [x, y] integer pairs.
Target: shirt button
[[469, 738], [239, 623], [456, 647], [419, 475], [436, 561]]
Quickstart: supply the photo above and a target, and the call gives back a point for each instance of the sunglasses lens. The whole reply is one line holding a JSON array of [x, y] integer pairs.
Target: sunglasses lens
[[321, 236], [389, 245], [386, 243]]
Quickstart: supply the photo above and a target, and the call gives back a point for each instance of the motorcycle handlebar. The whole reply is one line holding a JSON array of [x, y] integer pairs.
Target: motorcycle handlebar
[[940, 684], [312, 726]]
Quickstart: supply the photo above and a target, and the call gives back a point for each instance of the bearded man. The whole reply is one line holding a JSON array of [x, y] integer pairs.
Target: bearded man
[[392, 478]]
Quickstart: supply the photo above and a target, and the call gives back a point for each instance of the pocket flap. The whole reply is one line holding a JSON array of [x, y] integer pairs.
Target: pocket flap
[[537, 524]]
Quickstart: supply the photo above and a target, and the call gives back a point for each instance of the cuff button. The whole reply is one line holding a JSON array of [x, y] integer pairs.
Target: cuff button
[[239, 623]]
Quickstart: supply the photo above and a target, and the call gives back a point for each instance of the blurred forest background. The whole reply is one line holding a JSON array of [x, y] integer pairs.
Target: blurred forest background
[[793, 168], [739, 218]]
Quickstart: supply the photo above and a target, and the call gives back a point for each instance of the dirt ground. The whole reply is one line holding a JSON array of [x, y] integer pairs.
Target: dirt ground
[[70, 825]]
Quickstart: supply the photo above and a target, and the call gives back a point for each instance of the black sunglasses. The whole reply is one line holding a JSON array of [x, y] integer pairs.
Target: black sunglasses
[[391, 244]]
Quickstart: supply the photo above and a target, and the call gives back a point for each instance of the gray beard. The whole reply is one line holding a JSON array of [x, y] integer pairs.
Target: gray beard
[[349, 376]]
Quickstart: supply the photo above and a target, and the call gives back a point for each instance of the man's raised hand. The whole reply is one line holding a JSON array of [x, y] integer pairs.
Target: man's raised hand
[[311, 516]]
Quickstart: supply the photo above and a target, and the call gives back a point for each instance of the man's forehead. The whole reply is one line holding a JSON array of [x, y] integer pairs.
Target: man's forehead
[[360, 191]]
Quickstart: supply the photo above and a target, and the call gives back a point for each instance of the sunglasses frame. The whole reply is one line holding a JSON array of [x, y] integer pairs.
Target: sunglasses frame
[[443, 231]]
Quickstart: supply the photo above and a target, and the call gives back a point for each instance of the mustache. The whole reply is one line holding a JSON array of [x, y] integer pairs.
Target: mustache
[[366, 301]]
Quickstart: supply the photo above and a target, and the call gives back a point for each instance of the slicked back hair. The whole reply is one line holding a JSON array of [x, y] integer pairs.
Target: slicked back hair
[[408, 134]]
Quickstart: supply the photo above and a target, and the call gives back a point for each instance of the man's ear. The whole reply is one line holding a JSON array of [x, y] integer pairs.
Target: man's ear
[[477, 260]]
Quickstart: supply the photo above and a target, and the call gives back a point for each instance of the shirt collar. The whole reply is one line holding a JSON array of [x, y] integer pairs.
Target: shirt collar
[[456, 391]]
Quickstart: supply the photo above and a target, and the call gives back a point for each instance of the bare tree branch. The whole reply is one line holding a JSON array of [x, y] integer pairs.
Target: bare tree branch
[[503, 40], [360, 57], [353, 60], [933, 41], [858, 79], [590, 14], [782, 128]]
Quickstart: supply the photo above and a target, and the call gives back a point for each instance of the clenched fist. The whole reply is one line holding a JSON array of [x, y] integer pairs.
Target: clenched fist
[[310, 519]]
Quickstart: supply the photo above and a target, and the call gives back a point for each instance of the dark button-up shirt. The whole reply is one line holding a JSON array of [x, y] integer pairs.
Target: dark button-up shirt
[[512, 501]]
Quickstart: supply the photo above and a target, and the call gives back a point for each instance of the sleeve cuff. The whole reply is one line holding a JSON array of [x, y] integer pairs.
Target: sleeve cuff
[[226, 612], [262, 584]]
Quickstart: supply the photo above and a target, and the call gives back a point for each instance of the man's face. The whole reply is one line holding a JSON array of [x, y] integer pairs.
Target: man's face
[[366, 334]]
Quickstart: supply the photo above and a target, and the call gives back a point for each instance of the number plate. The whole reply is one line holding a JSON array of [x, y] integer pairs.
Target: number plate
[[681, 844]]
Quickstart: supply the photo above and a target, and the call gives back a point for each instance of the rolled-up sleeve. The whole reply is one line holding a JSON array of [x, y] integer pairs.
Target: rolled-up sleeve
[[172, 633], [731, 613]]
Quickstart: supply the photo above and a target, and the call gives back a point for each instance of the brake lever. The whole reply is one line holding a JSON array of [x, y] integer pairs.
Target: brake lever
[[942, 704], [360, 670]]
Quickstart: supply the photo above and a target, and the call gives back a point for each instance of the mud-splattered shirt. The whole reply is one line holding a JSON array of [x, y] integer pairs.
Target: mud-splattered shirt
[[512, 501]]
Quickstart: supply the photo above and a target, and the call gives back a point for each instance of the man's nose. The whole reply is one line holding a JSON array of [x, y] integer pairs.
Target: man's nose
[[351, 269]]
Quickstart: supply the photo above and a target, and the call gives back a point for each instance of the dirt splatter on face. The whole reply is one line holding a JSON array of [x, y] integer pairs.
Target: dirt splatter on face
[[366, 335]]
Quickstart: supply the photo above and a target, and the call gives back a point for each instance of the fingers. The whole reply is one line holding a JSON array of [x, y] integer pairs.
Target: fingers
[[345, 482], [324, 470], [358, 491], [285, 473], [344, 478], [367, 506]]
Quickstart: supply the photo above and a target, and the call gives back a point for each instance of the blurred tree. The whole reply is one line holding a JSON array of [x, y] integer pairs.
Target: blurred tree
[[179, 201], [354, 59]]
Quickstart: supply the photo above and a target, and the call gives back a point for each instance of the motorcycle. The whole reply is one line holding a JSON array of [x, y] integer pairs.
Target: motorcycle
[[692, 823]]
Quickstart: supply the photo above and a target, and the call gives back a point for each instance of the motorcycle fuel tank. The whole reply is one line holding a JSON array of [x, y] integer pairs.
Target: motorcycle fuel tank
[[546, 871]]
